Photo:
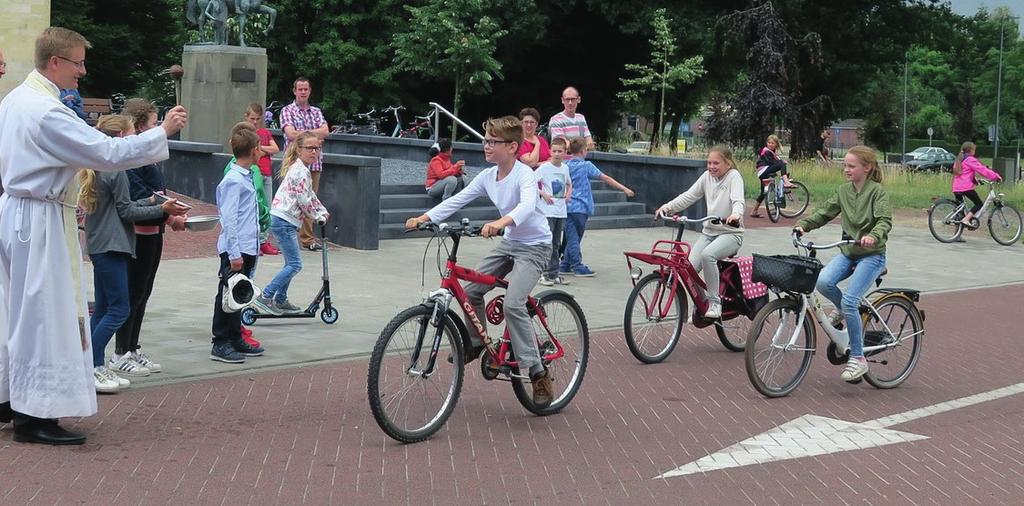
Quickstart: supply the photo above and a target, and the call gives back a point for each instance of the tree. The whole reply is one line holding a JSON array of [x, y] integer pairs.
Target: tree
[[883, 106], [451, 40], [769, 92], [661, 74]]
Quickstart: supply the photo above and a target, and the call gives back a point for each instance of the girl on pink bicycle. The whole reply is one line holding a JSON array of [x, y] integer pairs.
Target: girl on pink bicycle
[[722, 189]]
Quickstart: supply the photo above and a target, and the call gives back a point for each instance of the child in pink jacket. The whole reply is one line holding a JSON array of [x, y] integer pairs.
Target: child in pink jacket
[[964, 170]]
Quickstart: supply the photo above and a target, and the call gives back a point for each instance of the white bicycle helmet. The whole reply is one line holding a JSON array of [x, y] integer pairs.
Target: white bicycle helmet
[[239, 294]]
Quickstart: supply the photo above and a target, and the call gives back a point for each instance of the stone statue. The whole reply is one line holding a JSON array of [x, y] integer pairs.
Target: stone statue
[[217, 12]]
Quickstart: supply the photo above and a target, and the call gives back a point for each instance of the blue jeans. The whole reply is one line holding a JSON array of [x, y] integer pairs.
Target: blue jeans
[[575, 225], [288, 241], [862, 272], [110, 282]]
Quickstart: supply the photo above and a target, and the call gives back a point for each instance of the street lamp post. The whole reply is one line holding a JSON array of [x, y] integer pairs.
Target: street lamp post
[[999, 85], [906, 76]]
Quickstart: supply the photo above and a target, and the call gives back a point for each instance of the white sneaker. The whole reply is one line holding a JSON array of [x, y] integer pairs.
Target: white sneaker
[[104, 385], [143, 360], [559, 280], [546, 281], [714, 311], [855, 368], [121, 382], [125, 365]]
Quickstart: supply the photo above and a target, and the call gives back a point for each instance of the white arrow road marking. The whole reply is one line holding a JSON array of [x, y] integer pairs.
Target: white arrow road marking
[[812, 435]]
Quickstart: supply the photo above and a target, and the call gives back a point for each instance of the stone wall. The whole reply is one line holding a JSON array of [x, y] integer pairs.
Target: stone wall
[[22, 21]]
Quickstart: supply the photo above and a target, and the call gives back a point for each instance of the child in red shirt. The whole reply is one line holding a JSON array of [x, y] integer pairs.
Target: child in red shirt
[[268, 147]]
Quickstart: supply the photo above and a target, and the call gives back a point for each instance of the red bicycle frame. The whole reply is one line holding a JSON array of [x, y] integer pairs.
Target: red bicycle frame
[[450, 284]]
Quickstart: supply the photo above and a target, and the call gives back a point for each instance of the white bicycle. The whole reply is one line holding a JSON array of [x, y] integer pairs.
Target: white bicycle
[[783, 338]]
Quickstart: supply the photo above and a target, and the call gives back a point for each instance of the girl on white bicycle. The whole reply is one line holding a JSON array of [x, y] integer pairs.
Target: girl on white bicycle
[[722, 189], [768, 163], [964, 169], [866, 217]]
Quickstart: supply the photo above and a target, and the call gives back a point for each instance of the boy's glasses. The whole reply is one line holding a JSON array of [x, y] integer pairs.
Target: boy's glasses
[[491, 142]]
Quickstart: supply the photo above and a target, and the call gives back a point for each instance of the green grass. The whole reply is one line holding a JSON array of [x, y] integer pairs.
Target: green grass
[[906, 189]]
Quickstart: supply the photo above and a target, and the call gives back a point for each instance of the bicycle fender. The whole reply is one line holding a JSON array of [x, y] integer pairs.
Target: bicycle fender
[[906, 293], [540, 295], [467, 343]]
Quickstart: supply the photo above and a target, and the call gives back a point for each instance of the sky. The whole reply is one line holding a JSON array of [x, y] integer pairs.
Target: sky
[[971, 6]]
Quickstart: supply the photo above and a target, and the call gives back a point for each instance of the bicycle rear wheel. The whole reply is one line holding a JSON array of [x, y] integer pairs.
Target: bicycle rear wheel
[[650, 336], [944, 220], [797, 199], [408, 404], [1005, 225], [733, 332], [565, 320], [773, 366], [771, 203], [891, 366]]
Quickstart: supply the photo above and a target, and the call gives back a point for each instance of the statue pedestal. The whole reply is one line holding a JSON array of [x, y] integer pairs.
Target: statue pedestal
[[218, 85]]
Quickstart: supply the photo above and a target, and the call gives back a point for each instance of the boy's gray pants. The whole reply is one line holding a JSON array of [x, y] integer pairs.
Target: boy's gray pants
[[521, 265]]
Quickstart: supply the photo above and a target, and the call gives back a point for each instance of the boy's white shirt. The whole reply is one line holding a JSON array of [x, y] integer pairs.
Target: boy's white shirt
[[515, 196], [545, 175]]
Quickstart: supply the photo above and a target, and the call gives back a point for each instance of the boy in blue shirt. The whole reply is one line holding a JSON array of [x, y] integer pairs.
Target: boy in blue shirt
[[581, 207], [238, 245]]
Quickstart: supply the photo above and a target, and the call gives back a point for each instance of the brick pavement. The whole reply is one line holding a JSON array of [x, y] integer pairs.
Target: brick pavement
[[306, 435]]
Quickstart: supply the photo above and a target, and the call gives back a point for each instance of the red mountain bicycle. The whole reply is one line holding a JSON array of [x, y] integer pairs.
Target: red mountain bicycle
[[412, 393]]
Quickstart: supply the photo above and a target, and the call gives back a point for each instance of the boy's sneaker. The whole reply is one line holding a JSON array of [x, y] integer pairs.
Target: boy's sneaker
[[546, 281], [224, 352], [542, 389], [287, 307], [565, 271], [104, 383], [144, 360], [560, 281], [855, 368], [269, 249], [266, 306], [584, 272], [247, 349], [126, 365], [247, 337]]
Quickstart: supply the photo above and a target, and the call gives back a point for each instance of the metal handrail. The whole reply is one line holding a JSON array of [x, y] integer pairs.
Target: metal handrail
[[437, 122]]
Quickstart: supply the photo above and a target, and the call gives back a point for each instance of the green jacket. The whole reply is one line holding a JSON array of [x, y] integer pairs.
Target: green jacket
[[867, 213], [261, 199]]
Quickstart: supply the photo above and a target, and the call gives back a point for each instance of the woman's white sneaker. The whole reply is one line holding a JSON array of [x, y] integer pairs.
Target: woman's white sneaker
[[144, 360], [104, 385], [125, 365]]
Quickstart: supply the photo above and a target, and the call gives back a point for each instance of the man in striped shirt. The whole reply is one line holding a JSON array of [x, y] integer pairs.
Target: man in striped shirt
[[298, 117], [569, 123]]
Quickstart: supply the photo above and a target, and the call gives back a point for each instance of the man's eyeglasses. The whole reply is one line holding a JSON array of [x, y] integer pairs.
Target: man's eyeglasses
[[310, 148], [570, 99], [78, 64], [491, 142]]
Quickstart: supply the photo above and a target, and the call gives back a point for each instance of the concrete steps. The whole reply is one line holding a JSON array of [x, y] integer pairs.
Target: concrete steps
[[401, 202]]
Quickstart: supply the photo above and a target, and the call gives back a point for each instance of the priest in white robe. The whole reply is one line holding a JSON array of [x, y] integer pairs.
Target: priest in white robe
[[45, 356]]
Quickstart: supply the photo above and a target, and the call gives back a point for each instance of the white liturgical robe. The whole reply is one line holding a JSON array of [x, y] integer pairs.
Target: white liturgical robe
[[45, 355]]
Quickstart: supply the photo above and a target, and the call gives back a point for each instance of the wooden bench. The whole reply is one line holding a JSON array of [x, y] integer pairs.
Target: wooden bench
[[95, 107]]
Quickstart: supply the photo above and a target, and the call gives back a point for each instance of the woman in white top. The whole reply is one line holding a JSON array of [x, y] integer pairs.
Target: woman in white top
[[722, 189]]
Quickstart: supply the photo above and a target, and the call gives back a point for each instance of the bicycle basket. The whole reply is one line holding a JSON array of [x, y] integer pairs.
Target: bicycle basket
[[791, 273]]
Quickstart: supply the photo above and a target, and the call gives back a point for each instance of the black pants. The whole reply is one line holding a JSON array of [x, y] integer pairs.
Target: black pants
[[973, 196], [141, 275], [227, 327]]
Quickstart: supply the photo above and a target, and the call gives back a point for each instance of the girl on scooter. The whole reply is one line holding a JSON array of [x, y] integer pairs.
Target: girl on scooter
[[294, 199]]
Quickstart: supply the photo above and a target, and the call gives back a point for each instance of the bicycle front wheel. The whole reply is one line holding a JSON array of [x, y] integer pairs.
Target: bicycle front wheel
[[944, 220], [891, 366], [797, 198], [776, 362], [409, 403], [564, 320], [771, 203], [1005, 225], [654, 318]]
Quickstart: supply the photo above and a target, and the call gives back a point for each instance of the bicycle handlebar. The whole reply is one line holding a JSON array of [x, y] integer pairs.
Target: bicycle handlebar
[[811, 246], [461, 229], [716, 220]]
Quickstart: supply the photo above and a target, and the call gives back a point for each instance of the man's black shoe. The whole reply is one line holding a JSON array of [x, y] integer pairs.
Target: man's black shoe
[[6, 413], [28, 429]]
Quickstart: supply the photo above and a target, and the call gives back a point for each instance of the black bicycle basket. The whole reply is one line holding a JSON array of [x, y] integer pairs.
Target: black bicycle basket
[[791, 273]]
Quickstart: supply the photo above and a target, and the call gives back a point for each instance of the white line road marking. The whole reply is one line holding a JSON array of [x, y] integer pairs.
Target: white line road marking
[[812, 435]]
